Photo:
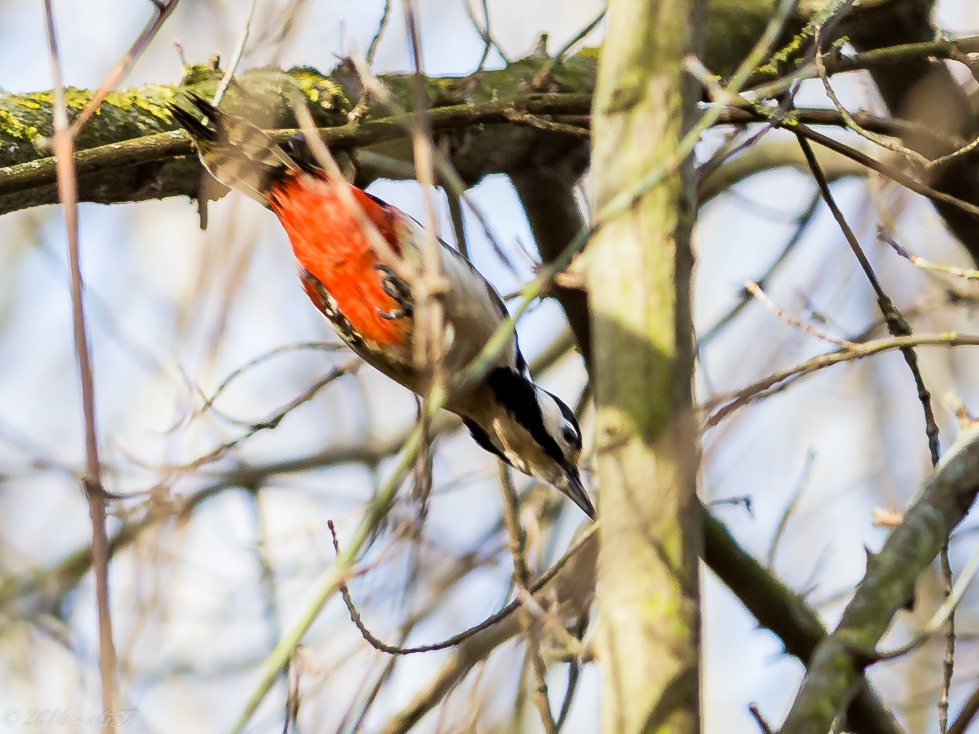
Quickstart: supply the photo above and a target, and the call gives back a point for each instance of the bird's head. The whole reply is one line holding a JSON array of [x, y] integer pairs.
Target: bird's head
[[532, 430], [562, 471]]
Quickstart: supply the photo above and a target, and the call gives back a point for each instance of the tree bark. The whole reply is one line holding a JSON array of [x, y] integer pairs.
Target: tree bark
[[638, 272]]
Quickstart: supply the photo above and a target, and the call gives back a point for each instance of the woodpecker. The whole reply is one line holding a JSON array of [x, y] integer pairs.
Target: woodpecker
[[372, 308]]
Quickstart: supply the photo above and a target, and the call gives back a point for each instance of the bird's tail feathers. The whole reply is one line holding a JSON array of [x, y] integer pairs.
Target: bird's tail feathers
[[235, 151]]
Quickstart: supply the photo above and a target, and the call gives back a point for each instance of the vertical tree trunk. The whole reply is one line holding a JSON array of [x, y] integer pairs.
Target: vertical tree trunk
[[639, 268]]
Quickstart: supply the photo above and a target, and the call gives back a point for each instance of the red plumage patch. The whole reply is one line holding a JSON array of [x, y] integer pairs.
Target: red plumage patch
[[328, 242]]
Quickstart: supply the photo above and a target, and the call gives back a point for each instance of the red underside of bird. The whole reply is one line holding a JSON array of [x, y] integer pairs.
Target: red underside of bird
[[332, 246]]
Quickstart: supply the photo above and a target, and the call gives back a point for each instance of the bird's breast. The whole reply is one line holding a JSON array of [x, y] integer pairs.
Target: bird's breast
[[342, 274]]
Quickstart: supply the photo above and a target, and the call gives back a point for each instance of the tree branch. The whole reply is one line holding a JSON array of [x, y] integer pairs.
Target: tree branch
[[887, 587], [786, 614]]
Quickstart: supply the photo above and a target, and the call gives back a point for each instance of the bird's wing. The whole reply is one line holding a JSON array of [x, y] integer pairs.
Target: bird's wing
[[473, 309]]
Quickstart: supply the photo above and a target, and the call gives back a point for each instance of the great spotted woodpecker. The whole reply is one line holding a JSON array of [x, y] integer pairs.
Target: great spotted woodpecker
[[371, 307]]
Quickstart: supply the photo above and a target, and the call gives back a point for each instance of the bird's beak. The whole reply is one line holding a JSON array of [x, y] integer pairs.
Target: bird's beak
[[570, 484]]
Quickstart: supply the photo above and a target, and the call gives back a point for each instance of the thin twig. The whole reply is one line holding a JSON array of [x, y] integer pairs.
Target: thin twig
[[897, 325], [486, 624], [882, 168], [450, 178], [293, 697], [759, 719], [580, 35], [521, 579], [755, 290], [574, 676], [92, 481], [943, 614], [851, 239], [802, 226], [239, 371], [459, 572], [966, 715], [484, 34], [876, 58], [235, 58], [429, 285], [920, 262], [762, 388], [382, 24], [948, 662], [269, 422], [489, 37], [545, 71], [964, 150], [735, 142], [458, 223], [911, 155], [790, 508], [119, 71], [741, 114]]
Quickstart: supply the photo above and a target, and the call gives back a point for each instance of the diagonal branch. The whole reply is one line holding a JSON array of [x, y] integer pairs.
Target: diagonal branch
[[887, 587], [786, 614]]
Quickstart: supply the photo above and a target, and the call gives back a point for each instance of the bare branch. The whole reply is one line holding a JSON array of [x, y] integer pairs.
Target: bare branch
[[92, 481], [382, 24], [897, 325], [122, 67], [755, 290], [521, 578], [743, 397], [235, 57]]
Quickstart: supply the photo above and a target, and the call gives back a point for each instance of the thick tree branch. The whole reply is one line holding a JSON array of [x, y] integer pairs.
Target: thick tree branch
[[923, 91], [546, 190], [131, 151], [887, 587]]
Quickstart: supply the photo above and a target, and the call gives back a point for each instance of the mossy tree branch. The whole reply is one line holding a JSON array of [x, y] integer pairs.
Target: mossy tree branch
[[132, 150], [888, 586]]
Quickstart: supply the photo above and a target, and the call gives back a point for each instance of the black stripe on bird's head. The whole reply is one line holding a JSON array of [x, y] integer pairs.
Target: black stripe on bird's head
[[551, 427], [519, 396]]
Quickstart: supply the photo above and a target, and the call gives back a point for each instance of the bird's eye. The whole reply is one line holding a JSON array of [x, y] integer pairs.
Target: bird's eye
[[569, 435]]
